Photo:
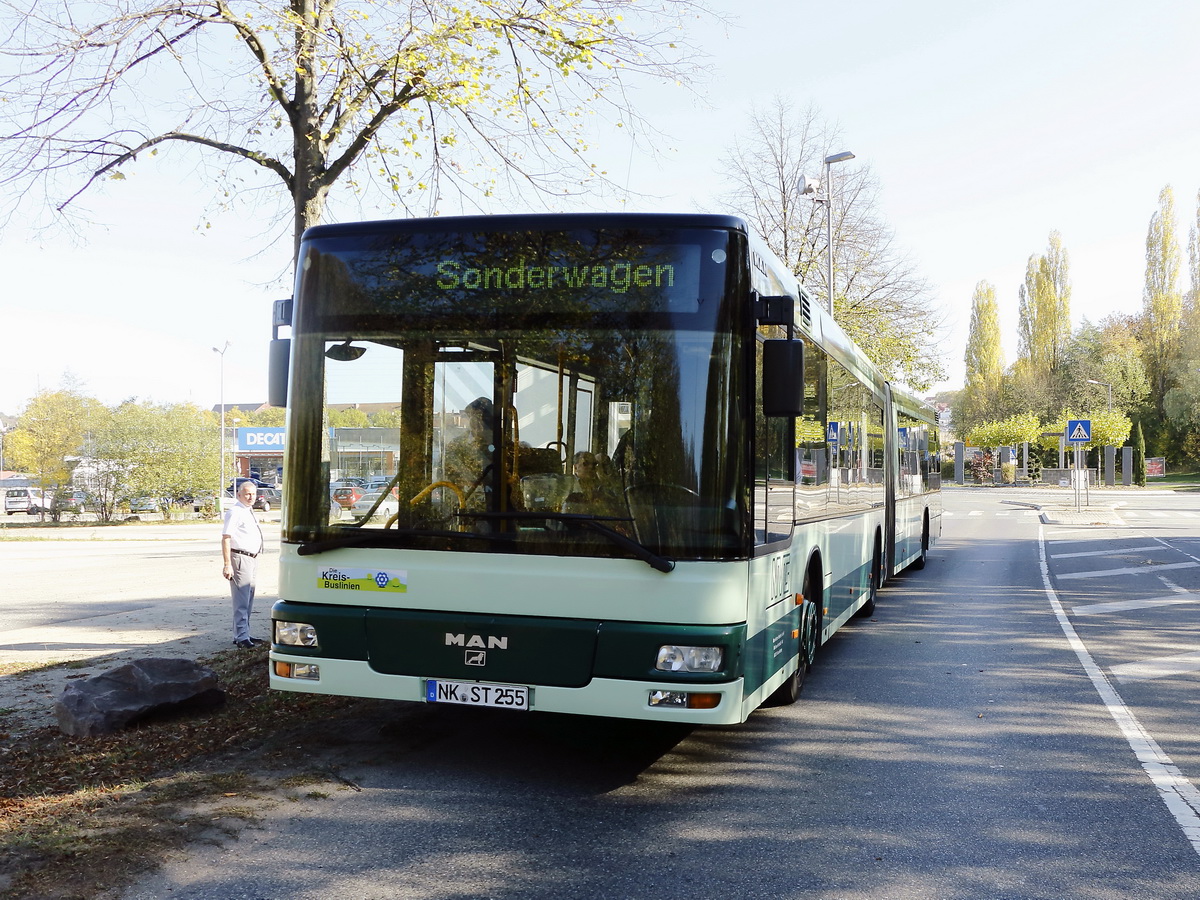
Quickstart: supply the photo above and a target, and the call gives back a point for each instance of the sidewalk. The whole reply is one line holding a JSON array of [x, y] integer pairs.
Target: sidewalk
[[1058, 505]]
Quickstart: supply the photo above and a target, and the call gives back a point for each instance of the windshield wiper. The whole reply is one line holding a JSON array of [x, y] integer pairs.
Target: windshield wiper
[[591, 523]]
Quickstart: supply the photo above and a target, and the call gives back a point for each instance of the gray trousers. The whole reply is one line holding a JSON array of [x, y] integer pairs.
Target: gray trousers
[[241, 587]]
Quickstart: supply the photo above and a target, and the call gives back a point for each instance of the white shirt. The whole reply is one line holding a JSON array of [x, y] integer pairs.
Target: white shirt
[[242, 528]]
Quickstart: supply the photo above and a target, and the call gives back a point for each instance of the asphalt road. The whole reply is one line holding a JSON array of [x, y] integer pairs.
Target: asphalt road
[[956, 745], [1019, 720]]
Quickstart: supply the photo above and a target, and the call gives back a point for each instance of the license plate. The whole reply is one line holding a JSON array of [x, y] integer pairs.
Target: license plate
[[470, 693]]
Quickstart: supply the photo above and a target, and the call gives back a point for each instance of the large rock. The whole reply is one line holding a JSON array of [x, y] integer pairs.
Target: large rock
[[107, 703]]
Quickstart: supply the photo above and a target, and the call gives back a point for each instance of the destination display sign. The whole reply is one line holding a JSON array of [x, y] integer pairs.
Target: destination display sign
[[480, 273], [617, 277]]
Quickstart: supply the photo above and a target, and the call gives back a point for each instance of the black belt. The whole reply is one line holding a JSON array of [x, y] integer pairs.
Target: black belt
[[243, 552]]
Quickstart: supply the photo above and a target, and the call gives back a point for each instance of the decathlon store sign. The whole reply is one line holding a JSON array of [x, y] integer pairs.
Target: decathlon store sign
[[260, 440]]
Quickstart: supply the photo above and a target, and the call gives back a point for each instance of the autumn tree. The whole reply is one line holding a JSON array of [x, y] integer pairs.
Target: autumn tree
[[49, 439], [1103, 356], [165, 451], [878, 296], [1009, 432], [422, 99], [984, 360]]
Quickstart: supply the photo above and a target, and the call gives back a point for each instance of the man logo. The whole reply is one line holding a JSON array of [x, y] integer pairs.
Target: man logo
[[476, 658], [478, 641]]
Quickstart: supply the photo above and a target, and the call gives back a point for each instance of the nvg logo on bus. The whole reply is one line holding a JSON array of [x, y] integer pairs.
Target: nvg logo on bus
[[363, 580]]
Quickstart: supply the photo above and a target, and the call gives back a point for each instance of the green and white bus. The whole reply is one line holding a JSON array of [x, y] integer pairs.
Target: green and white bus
[[623, 466]]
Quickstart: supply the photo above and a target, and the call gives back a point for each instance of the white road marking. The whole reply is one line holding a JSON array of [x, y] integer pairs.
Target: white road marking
[[1177, 550], [1133, 570], [1108, 552], [1096, 609], [1179, 795], [1160, 667], [1023, 513]]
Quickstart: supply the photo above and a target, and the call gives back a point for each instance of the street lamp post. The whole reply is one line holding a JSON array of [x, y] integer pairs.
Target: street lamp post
[[221, 443], [829, 161], [1103, 384]]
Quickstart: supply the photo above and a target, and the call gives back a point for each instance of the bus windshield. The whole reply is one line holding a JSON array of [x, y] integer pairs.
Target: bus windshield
[[565, 393]]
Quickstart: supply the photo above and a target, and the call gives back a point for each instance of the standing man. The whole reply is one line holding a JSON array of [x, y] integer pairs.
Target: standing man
[[241, 543]]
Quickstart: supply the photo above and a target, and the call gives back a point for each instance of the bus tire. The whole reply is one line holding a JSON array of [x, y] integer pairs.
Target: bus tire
[[919, 562], [868, 608], [810, 631]]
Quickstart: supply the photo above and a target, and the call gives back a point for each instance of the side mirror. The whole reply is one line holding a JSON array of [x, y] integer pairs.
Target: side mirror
[[277, 378], [783, 378]]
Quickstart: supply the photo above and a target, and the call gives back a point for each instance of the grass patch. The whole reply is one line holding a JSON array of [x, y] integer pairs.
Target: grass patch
[[1176, 480], [83, 815]]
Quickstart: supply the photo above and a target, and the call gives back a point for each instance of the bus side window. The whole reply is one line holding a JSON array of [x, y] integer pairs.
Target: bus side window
[[774, 482], [812, 451]]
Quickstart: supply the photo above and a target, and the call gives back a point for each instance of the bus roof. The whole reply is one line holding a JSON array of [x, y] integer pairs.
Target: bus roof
[[525, 221]]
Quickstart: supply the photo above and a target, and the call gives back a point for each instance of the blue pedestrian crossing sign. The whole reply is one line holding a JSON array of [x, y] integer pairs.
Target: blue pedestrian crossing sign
[[1079, 431], [831, 433]]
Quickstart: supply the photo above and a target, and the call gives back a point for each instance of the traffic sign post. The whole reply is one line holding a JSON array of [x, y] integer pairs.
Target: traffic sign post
[[1079, 432]]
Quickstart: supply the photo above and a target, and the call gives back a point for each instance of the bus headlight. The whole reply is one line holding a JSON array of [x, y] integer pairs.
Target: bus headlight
[[295, 634], [673, 658]]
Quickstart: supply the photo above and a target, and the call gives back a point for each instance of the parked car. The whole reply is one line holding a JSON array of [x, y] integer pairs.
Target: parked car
[[231, 489], [347, 495], [27, 500], [144, 505], [265, 499], [388, 506], [72, 501]]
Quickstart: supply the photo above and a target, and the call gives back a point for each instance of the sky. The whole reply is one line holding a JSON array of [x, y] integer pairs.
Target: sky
[[987, 124]]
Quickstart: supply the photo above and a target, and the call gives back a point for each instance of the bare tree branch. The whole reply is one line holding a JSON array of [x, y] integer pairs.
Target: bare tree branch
[[310, 90], [879, 298]]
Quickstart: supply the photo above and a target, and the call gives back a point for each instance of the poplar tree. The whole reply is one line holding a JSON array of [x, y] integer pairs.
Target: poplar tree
[[1181, 399], [1193, 246], [984, 361], [1162, 304], [1045, 308]]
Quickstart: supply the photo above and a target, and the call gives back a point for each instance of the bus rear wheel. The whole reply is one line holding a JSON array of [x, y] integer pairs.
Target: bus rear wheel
[[876, 576], [923, 557]]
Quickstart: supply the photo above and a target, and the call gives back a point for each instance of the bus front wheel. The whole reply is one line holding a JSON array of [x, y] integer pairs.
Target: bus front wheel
[[810, 631]]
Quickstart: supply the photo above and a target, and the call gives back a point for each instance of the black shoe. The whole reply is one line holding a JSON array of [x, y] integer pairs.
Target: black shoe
[[258, 642], [245, 644]]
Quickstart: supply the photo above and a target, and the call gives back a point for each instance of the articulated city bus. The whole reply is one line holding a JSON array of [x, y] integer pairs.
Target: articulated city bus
[[620, 465]]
